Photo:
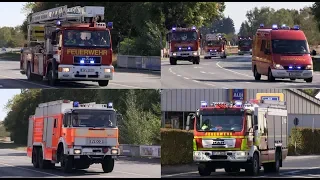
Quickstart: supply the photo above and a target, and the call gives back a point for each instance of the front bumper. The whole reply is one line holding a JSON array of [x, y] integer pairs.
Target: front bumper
[[296, 74], [70, 72], [244, 52], [184, 55], [93, 151], [214, 54], [220, 156]]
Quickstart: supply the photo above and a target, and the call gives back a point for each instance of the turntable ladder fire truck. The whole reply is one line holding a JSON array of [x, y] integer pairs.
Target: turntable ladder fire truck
[[238, 136], [68, 44], [74, 135]]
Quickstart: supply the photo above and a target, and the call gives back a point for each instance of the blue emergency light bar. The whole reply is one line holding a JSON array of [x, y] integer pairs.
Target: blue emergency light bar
[[189, 48], [75, 104], [274, 26], [238, 103], [110, 25], [58, 23], [204, 104], [261, 25], [110, 105], [173, 29], [193, 27], [296, 27]]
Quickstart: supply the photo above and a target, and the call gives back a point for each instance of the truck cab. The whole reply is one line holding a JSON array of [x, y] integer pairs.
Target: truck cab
[[184, 45], [234, 136], [244, 45], [215, 46]]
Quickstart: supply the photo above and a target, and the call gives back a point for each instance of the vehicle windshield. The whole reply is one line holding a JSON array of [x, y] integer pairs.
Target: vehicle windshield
[[184, 36], [245, 43], [290, 47], [220, 122], [213, 43], [85, 38], [93, 118]]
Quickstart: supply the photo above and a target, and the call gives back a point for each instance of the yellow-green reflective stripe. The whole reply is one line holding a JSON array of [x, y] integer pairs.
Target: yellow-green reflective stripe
[[244, 144], [194, 145], [218, 149]]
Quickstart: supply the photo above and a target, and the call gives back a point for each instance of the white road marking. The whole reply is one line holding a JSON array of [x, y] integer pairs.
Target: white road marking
[[178, 174], [129, 173], [300, 170], [211, 73], [30, 170], [185, 78], [202, 72], [179, 75], [209, 84], [136, 87], [217, 64], [196, 81]]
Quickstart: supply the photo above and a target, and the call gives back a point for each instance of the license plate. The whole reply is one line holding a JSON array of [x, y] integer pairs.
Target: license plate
[[294, 74], [96, 141], [87, 70], [218, 153], [89, 153], [184, 54]]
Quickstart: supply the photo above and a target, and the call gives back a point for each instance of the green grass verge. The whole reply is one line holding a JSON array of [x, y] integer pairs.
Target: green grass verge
[[11, 56]]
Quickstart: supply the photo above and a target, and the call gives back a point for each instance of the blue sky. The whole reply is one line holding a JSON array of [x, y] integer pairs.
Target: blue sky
[[5, 95], [11, 11]]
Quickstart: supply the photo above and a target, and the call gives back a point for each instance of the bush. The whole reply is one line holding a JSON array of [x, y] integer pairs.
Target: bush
[[316, 64], [176, 146], [305, 141]]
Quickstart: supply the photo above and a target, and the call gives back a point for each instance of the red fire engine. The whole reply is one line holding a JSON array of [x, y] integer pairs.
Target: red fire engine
[[74, 135], [215, 45], [72, 44], [244, 45], [184, 45]]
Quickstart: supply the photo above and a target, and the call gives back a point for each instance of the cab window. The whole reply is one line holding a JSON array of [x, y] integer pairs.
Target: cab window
[[263, 45]]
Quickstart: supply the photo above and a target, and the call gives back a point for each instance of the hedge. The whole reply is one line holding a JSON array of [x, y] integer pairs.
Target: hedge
[[316, 64], [306, 141], [176, 146]]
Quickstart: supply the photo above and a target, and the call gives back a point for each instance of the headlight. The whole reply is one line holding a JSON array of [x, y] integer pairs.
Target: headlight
[[250, 49], [278, 66], [309, 67], [64, 69], [238, 50], [174, 54], [107, 70], [195, 53], [114, 151], [77, 151], [241, 154]]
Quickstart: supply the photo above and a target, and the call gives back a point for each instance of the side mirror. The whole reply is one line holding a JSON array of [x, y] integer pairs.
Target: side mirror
[[314, 53], [190, 116], [255, 127], [200, 36], [266, 51]]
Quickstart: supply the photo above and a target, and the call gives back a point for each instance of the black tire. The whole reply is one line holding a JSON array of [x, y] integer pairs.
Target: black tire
[[256, 75], [292, 79], [107, 164], [103, 83], [204, 170], [173, 61], [44, 164], [34, 159], [30, 76], [67, 164], [231, 170], [275, 166], [270, 76], [51, 79], [197, 60], [254, 167], [309, 80]]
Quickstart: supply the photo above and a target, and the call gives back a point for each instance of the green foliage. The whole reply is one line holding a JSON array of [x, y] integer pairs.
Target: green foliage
[[142, 106], [11, 37], [305, 140], [176, 146], [311, 92], [268, 16], [3, 131]]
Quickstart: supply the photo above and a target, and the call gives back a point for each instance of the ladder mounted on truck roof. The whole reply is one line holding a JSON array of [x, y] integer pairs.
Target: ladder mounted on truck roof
[[76, 14]]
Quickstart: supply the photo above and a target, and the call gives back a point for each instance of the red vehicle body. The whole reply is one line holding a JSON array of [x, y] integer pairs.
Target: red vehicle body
[[184, 45], [72, 47], [281, 53], [244, 45], [215, 45]]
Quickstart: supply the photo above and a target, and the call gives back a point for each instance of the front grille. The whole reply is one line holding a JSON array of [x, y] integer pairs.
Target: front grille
[[87, 60], [295, 67], [218, 157]]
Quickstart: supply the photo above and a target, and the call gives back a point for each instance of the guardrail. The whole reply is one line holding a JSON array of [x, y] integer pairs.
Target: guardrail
[[139, 62], [140, 151]]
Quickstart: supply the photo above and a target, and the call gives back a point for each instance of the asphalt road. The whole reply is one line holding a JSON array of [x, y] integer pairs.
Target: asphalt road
[[232, 72], [15, 164], [293, 167], [10, 77]]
